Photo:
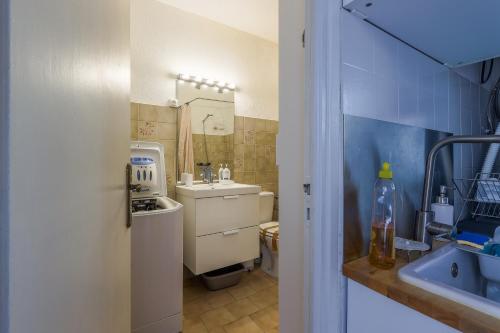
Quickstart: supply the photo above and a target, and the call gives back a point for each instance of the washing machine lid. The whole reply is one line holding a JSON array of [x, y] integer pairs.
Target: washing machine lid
[[148, 169]]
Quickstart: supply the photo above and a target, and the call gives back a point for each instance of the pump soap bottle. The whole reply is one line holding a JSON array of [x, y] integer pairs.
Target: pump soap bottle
[[382, 245], [443, 211]]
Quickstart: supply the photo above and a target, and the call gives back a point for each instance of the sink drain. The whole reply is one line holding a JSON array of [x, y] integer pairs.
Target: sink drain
[[454, 270]]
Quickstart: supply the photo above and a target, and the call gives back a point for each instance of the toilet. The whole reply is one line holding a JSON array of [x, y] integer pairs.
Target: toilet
[[269, 235]]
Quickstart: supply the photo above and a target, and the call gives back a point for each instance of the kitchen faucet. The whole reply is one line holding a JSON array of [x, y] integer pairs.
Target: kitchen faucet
[[425, 226]]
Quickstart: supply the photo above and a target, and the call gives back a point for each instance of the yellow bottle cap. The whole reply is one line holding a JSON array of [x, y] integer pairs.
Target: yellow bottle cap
[[385, 172]]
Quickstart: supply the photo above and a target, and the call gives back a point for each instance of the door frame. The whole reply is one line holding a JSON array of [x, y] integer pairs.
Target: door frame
[[325, 287]]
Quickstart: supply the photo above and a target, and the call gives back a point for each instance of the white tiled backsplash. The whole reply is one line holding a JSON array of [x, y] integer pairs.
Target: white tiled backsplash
[[385, 79]]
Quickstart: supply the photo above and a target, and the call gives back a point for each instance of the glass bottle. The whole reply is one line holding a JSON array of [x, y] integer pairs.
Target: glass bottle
[[383, 224]]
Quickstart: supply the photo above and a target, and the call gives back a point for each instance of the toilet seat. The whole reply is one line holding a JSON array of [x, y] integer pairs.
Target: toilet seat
[[269, 234]]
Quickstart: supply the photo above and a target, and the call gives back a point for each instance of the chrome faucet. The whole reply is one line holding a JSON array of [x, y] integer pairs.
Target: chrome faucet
[[207, 174], [425, 227]]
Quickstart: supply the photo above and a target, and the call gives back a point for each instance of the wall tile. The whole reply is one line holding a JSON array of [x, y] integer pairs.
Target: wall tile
[[358, 51], [454, 103], [148, 112], [133, 129], [249, 124], [386, 92], [385, 50], [167, 131], [358, 96], [167, 115], [441, 86], [408, 102], [260, 125], [238, 123], [147, 130], [134, 111]]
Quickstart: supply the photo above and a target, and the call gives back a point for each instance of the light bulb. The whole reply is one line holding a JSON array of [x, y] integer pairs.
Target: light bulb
[[184, 77], [209, 82], [198, 79], [225, 90], [203, 86], [231, 86], [193, 83], [181, 81]]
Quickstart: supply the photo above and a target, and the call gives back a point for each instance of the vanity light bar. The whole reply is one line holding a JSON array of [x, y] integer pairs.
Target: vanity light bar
[[203, 83]]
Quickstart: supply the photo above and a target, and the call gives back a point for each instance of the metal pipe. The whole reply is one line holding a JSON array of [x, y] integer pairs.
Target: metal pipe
[[425, 216]]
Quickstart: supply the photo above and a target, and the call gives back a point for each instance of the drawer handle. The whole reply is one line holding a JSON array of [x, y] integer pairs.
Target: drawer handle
[[229, 197], [231, 232]]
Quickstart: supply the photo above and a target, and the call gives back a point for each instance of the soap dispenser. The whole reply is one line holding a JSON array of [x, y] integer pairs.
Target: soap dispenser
[[382, 252], [443, 211], [226, 174], [221, 171]]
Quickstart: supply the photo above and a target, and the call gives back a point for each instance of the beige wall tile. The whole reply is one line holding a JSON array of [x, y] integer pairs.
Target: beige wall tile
[[147, 130], [238, 123], [249, 137], [239, 137], [167, 114], [249, 124], [167, 131], [148, 112], [248, 178], [133, 129], [260, 125], [272, 126], [134, 110]]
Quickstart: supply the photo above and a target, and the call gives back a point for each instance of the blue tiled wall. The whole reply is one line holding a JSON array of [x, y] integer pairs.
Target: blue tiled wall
[[383, 78]]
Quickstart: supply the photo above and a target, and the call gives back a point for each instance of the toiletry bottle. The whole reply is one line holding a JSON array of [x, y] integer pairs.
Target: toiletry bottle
[[221, 170], [383, 229], [443, 211], [226, 174]]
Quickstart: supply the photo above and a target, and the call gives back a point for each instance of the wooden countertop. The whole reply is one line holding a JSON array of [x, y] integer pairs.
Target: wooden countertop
[[387, 283]]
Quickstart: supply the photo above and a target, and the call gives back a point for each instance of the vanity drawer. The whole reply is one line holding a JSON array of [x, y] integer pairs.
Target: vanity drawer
[[225, 249], [230, 212]]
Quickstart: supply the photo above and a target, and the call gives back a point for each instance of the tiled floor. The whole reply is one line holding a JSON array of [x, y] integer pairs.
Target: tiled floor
[[249, 307]]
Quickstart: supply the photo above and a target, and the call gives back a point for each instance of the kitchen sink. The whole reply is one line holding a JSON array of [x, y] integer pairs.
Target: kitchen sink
[[454, 273]]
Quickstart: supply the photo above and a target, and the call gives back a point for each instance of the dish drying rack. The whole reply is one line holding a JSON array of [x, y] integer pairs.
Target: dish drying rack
[[481, 194]]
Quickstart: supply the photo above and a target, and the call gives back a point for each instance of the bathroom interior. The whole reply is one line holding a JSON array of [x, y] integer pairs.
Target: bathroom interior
[[204, 103]]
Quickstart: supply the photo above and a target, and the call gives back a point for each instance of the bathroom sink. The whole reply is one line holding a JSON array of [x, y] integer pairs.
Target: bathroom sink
[[454, 273], [203, 190]]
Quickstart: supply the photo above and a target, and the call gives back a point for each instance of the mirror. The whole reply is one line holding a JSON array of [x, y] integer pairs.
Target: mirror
[[212, 126]]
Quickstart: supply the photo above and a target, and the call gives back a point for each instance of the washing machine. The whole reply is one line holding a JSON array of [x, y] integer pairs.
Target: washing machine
[[156, 244]]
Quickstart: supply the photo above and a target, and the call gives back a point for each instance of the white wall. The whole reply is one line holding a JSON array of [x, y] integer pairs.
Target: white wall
[[69, 263], [291, 143], [4, 231], [167, 41]]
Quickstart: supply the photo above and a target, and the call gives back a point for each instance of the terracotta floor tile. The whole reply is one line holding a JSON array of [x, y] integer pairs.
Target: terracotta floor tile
[[216, 318], [243, 325], [268, 319], [193, 324], [219, 298], [259, 283], [193, 292], [242, 308], [265, 298], [196, 307], [240, 292]]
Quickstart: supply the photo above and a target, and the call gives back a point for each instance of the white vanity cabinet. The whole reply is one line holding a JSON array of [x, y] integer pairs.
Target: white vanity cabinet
[[221, 225]]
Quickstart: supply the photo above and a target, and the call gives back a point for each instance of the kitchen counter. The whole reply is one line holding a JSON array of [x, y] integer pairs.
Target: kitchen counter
[[387, 283]]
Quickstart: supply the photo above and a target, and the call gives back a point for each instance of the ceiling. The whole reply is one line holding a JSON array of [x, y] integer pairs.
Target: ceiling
[[257, 17]]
